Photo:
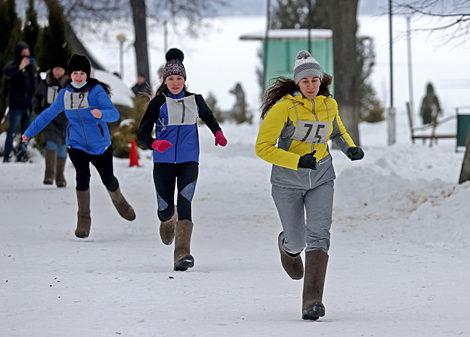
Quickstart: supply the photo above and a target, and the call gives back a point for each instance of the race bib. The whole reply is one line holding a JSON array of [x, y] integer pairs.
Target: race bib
[[311, 132], [52, 94], [182, 111], [76, 100]]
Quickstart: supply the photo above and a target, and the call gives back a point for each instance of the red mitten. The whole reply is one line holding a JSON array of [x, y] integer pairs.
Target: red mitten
[[220, 139], [161, 145]]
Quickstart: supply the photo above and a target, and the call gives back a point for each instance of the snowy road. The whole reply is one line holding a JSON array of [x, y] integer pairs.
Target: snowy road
[[397, 266]]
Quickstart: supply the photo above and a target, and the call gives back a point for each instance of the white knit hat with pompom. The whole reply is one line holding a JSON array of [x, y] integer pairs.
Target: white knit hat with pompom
[[306, 65]]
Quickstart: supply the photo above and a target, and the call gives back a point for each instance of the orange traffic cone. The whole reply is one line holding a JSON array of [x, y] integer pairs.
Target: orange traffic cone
[[133, 155]]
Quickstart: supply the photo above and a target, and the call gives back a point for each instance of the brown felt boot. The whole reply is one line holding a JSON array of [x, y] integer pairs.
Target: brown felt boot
[[83, 214], [122, 206], [51, 158], [315, 271], [167, 229], [59, 172], [182, 256], [292, 264]]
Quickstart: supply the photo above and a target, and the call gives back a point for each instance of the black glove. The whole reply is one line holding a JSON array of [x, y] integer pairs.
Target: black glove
[[355, 153], [308, 161]]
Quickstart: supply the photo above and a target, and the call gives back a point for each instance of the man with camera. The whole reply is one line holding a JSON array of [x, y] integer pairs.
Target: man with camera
[[23, 78]]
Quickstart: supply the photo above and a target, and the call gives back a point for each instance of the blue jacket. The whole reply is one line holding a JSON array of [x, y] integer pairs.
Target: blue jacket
[[84, 131], [176, 122]]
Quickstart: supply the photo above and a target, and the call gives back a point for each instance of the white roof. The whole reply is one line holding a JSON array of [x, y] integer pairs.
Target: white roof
[[121, 94], [291, 34]]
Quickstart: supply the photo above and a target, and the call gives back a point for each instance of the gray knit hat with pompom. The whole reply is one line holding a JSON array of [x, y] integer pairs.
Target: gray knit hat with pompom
[[306, 65]]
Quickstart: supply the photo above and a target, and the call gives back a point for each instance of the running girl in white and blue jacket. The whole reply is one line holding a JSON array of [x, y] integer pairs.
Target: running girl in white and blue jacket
[[88, 108], [173, 113]]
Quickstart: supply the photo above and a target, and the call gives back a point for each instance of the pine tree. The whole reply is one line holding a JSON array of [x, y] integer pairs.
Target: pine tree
[[295, 14], [10, 26], [53, 45], [31, 28], [211, 102]]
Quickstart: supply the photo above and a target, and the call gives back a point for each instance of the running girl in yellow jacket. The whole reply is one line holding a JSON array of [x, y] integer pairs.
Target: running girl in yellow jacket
[[300, 116]]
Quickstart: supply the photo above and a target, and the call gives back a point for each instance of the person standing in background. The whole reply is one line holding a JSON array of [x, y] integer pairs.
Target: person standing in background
[[54, 133], [23, 79], [430, 107], [141, 88]]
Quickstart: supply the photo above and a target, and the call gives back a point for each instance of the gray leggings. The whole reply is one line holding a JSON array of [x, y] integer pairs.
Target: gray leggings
[[312, 231]]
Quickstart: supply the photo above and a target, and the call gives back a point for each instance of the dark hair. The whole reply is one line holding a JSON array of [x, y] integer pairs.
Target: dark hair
[[94, 81], [163, 87], [282, 86]]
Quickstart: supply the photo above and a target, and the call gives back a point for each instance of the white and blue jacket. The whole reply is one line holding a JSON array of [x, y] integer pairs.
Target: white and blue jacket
[[175, 120], [84, 131]]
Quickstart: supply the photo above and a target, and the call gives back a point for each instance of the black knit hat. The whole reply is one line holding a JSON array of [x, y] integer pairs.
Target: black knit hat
[[79, 63], [58, 62], [174, 65]]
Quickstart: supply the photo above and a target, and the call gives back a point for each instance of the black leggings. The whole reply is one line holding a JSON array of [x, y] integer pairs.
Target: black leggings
[[103, 163], [165, 176]]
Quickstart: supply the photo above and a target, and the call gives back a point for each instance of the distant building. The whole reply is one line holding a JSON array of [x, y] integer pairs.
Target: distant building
[[284, 44]]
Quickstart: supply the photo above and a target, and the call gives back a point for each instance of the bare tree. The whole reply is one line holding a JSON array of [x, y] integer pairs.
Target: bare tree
[[453, 20], [77, 11], [139, 18], [344, 27], [450, 17]]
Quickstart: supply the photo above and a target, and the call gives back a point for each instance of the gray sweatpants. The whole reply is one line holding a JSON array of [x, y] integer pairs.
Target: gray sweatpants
[[313, 230]]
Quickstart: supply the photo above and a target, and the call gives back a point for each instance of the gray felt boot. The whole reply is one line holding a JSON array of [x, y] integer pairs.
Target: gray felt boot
[[167, 228], [122, 206], [83, 214], [182, 257], [292, 264], [316, 262], [49, 175]]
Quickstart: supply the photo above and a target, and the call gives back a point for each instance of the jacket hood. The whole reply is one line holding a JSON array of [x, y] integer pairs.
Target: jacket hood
[[298, 98], [63, 81], [20, 46]]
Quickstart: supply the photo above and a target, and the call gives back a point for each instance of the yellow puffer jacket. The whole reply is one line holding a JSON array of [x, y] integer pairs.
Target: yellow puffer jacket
[[276, 145]]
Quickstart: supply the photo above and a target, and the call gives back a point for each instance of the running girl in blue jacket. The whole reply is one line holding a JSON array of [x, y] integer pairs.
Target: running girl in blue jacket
[[173, 112], [88, 108]]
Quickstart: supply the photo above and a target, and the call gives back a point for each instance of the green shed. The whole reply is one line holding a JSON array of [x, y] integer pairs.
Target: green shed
[[284, 44]]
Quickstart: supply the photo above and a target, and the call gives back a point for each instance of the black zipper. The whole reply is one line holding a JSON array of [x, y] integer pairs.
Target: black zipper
[[184, 111], [176, 143], [69, 130], [100, 130], [83, 128]]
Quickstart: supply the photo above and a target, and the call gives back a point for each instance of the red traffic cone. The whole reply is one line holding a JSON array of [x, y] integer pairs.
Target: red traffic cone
[[133, 155]]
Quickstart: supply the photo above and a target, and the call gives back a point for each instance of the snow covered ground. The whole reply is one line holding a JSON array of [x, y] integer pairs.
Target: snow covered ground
[[398, 261], [399, 254]]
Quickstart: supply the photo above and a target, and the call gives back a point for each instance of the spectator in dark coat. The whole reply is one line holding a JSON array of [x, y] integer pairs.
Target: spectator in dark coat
[[54, 132], [141, 88], [430, 107], [23, 78]]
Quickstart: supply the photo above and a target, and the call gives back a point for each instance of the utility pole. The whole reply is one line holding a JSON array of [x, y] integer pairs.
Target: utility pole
[[121, 38], [410, 71], [265, 51], [391, 123]]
